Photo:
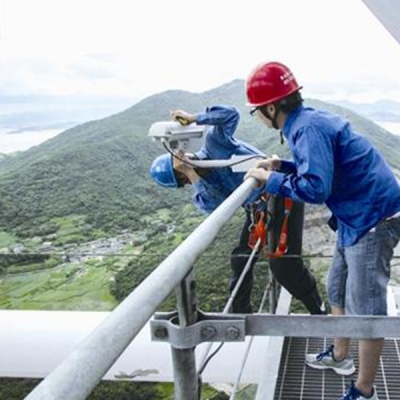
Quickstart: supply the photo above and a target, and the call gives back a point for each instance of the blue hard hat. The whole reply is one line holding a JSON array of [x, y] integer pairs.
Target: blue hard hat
[[162, 171]]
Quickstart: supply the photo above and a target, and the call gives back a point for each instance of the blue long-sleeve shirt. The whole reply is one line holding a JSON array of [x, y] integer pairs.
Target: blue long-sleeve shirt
[[219, 144], [333, 164]]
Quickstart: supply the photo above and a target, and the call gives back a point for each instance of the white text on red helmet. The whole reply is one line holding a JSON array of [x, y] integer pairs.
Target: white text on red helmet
[[287, 77]]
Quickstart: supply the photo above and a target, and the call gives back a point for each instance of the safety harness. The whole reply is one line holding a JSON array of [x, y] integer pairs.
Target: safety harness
[[259, 226]]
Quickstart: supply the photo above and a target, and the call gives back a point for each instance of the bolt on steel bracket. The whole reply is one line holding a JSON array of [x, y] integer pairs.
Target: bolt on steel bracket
[[210, 327]]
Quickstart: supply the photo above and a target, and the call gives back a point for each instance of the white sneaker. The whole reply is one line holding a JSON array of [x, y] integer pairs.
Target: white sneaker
[[325, 360]]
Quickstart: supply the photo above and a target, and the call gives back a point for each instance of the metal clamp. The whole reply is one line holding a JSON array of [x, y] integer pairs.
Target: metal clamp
[[208, 328]]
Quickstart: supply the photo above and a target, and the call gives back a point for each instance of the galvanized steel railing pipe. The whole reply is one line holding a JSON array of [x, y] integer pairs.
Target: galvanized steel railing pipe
[[83, 369]]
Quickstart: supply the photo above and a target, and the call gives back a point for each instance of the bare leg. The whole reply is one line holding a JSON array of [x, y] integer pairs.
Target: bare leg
[[369, 352], [342, 345]]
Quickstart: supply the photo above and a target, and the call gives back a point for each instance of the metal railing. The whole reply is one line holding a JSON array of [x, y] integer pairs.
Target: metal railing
[[82, 370]]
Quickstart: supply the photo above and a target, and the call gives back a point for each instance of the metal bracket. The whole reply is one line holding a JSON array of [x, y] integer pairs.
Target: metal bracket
[[210, 327]]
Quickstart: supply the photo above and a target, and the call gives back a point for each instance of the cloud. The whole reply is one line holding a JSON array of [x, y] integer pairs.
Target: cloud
[[91, 72], [123, 47]]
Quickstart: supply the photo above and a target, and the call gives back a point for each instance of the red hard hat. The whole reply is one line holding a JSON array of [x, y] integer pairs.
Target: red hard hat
[[270, 82]]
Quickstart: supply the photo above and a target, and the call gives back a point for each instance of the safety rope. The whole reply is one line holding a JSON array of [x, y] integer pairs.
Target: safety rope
[[250, 343], [228, 305], [257, 241], [206, 359]]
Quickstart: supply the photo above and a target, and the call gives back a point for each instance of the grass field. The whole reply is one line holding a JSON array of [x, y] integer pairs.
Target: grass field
[[67, 287], [6, 239]]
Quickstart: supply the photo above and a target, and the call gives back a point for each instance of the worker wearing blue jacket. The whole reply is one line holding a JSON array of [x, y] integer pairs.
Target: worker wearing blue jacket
[[335, 165], [212, 186]]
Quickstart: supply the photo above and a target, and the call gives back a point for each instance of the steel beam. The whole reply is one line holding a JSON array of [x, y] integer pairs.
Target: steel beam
[[388, 14], [208, 328], [217, 327], [357, 327]]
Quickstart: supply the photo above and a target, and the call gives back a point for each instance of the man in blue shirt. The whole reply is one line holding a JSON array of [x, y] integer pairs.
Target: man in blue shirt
[[212, 186], [335, 165]]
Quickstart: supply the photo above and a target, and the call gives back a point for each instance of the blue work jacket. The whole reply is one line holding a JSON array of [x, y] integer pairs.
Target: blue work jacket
[[335, 165], [219, 144]]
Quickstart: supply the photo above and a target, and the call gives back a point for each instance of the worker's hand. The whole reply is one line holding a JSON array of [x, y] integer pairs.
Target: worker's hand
[[261, 174], [180, 165], [270, 164], [180, 115]]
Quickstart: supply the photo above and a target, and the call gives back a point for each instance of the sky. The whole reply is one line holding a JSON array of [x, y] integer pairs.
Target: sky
[[337, 49]]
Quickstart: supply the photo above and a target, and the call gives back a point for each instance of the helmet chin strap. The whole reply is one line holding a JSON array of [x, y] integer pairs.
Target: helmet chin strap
[[275, 124], [274, 120]]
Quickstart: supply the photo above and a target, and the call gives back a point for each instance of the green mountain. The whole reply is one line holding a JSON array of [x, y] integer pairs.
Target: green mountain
[[99, 170]]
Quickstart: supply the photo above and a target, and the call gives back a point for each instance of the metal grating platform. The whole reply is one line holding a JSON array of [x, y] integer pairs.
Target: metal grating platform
[[296, 381]]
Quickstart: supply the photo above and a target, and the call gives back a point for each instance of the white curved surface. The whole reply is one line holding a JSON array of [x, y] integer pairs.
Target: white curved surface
[[33, 343]]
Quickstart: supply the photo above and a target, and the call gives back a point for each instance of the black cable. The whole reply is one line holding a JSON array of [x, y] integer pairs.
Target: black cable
[[244, 255], [196, 166], [210, 357]]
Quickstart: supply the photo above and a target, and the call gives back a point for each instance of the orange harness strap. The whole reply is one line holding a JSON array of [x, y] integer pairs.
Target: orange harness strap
[[282, 243], [259, 231]]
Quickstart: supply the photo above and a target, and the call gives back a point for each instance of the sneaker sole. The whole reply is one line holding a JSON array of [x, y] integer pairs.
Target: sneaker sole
[[339, 371]]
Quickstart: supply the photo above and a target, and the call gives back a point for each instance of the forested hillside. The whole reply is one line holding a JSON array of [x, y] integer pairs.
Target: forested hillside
[[65, 197], [99, 170]]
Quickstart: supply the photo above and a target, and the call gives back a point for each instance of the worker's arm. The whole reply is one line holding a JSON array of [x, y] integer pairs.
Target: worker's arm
[[314, 162], [219, 141], [225, 117], [223, 121]]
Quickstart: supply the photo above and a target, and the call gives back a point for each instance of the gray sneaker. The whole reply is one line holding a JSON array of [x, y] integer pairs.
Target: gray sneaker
[[325, 360]]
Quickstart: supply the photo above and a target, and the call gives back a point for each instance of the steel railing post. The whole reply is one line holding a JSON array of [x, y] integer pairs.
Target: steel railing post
[[271, 235], [184, 360]]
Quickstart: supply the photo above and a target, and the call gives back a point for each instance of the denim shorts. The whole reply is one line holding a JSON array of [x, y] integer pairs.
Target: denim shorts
[[359, 275]]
